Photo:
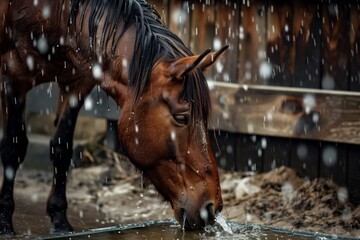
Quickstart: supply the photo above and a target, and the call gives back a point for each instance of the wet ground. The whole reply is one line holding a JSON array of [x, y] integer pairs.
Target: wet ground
[[106, 190], [278, 198]]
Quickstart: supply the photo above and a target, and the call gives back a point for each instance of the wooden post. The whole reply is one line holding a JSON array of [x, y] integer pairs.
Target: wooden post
[[305, 158], [224, 145], [354, 48], [353, 181], [307, 62], [252, 42], [336, 46], [276, 152], [333, 162], [226, 32], [179, 20], [202, 26], [250, 154], [280, 43]]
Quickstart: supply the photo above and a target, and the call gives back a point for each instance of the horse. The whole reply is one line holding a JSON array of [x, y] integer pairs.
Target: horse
[[124, 47]]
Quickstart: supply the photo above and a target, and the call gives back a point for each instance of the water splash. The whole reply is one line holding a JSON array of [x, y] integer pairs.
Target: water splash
[[184, 221], [222, 222]]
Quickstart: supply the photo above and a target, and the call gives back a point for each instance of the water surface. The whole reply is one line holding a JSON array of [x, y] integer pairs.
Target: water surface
[[169, 229]]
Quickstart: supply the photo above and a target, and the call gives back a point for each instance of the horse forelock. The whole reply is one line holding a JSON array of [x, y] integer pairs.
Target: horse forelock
[[153, 42]]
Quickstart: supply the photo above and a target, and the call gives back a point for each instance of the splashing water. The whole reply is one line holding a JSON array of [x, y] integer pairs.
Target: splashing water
[[184, 221], [222, 222]]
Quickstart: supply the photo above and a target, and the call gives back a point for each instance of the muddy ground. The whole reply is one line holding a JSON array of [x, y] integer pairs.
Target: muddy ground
[[113, 193], [104, 189]]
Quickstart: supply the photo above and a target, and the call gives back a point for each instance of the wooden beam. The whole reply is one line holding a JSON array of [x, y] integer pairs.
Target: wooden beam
[[287, 112]]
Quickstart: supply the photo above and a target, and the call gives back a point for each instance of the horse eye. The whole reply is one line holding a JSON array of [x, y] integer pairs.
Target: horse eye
[[182, 119]]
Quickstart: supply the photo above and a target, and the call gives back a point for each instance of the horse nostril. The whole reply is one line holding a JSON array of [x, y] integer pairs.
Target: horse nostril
[[207, 212]]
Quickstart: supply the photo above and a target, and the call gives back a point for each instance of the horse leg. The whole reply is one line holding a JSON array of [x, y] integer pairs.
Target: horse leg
[[61, 150], [13, 148]]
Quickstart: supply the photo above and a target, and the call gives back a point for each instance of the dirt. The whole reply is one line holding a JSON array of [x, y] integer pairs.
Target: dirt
[[104, 189], [113, 193]]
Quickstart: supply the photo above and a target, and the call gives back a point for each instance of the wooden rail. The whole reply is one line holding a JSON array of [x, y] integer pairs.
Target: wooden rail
[[287, 112]]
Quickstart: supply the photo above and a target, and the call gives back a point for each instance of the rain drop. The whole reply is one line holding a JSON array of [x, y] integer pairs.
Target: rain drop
[[328, 82], [173, 135], [309, 102], [229, 149], [73, 101], [219, 67], [179, 17], [42, 45], [263, 143], [30, 62], [46, 12], [97, 71], [302, 151], [62, 40], [217, 44], [81, 214], [329, 156], [204, 214], [88, 104], [9, 173], [342, 194], [265, 70]]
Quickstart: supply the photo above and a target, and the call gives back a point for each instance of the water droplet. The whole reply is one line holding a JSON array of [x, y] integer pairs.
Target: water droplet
[[73, 101], [309, 101], [329, 156], [216, 44], [229, 149], [97, 71], [42, 45], [30, 62], [219, 67], [9, 173], [204, 214], [89, 103], [346, 214], [265, 70], [46, 12], [342, 194], [34, 197], [315, 117], [62, 40], [179, 17], [220, 220], [173, 135], [263, 143], [302, 151], [328, 82]]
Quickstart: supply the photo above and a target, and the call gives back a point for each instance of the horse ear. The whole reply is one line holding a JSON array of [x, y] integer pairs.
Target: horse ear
[[185, 65]]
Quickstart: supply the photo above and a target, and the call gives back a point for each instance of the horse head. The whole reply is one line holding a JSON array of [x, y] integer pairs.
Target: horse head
[[164, 133]]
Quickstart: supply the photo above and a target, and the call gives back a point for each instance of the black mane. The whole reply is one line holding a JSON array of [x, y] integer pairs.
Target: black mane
[[153, 42]]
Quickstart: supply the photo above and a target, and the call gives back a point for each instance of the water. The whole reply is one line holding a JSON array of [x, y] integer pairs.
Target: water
[[220, 220], [170, 229]]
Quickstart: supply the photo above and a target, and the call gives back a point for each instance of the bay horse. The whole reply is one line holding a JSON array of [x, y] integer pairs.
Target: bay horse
[[124, 47]]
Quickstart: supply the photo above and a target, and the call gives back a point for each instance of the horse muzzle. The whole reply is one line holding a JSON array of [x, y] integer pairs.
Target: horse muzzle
[[192, 218]]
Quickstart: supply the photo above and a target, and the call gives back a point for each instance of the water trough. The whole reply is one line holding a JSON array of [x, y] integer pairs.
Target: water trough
[[170, 229]]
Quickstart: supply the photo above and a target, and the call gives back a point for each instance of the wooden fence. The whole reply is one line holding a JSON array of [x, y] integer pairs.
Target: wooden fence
[[286, 92]]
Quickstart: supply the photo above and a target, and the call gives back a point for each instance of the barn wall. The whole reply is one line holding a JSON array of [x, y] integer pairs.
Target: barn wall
[[294, 46]]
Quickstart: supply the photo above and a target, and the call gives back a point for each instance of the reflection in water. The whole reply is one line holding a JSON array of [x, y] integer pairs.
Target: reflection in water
[[170, 229]]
